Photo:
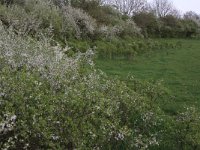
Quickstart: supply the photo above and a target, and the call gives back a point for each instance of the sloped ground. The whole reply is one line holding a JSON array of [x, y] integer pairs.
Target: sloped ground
[[179, 68]]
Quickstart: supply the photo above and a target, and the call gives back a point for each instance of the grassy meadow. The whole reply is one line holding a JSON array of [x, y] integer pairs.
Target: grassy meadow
[[178, 68]]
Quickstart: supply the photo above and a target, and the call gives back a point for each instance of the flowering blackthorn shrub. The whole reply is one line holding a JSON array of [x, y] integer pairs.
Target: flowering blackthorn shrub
[[19, 19], [79, 21], [51, 101], [122, 29], [36, 16]]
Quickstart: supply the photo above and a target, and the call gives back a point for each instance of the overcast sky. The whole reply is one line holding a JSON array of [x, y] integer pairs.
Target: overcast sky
[[187, 5]]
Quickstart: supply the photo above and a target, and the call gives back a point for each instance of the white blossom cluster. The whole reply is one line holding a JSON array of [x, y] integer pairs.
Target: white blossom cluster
[[78, 20], [127, 27], [50, 61], [8, 124]]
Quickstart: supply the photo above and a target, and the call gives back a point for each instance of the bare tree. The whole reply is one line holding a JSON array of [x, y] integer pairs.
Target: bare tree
[[163, 8], [128, 7]]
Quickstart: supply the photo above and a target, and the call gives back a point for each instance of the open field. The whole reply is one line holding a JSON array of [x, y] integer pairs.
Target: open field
[[178, 68]]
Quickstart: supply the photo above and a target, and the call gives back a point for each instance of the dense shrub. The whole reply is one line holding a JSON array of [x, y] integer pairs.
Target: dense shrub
[[83, 25], [129, 28], [167, 27], [173, 27], [128, 48], [49, 14], [106, 15], [182, 131], [189, 28], [51, 101], [19, 19], [121, 48], [107, 32], [32, 18], [154, 90], [64, 22], [148, 23]]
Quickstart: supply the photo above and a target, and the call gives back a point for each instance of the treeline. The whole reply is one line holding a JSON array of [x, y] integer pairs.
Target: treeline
[[97, 19], [159, 18], [166, 27], [63, 21]]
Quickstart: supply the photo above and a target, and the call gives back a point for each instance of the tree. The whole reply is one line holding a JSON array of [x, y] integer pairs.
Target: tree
[[191, 28], [128, 7], [148, 22], [190, 15], [163, 8]]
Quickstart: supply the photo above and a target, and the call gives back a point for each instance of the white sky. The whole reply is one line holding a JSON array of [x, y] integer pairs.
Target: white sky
[[186, 5]]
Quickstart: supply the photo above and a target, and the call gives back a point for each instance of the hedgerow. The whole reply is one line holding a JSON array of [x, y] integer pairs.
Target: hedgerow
[[38, 16], [119, 48]]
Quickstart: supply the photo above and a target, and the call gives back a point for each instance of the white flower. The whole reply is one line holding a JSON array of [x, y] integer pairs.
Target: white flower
[[13, 118]]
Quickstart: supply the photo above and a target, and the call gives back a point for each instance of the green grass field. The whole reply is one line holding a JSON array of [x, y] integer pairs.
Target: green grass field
[[178, 68]]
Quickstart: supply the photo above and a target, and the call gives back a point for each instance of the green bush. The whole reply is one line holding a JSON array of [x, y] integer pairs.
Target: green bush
[[182, 130], [128, 48], [39, 16], [19, 19], [173, 27], [51, 101], [148, 23]]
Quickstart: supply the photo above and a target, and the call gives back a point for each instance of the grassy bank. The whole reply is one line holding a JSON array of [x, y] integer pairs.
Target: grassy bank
[[179, 69]]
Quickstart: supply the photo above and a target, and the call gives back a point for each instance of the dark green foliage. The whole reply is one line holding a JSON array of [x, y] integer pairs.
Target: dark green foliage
[[149, 24], [105, 15], [85, 4], [127, 48], [173, 27], [87, 118], [191, 28], [170, 26], [166, 27]]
